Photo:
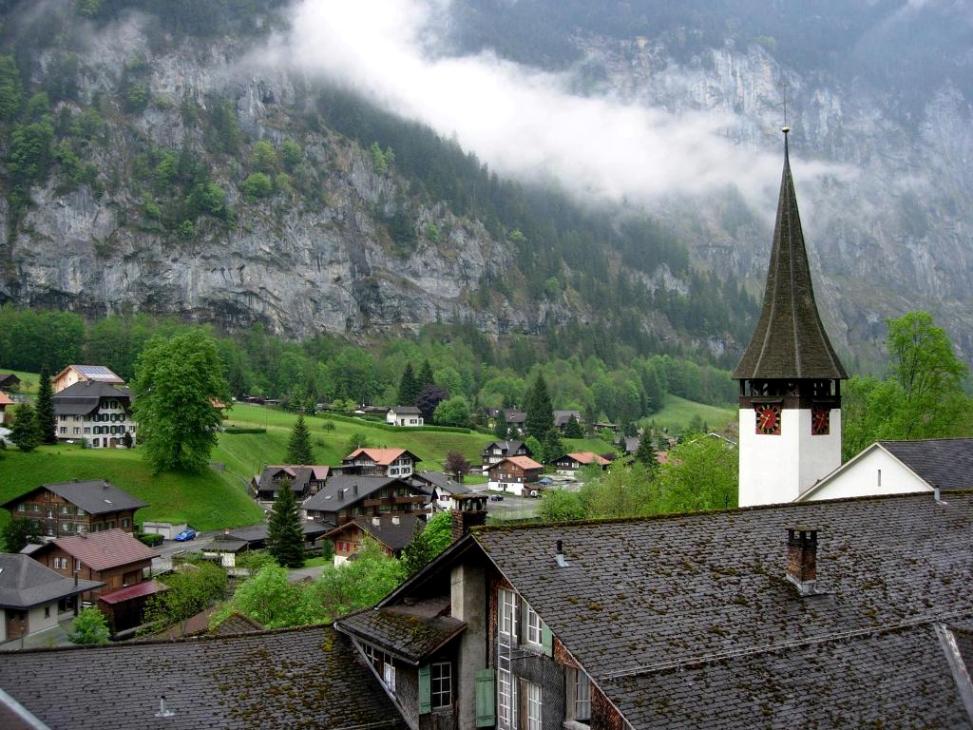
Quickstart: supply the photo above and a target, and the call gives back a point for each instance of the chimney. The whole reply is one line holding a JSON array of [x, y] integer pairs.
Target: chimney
[[466, 513], [802, 559], [395, 519], [356, 489], [226, 530], [559, 555]]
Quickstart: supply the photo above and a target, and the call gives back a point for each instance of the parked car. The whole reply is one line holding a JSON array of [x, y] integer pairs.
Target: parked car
[[496, 497], [545, 481], [185, 535]]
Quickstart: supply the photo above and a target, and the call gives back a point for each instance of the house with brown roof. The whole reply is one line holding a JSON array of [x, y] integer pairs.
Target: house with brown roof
[[380, 462], [34, 598], [71, 508], [734, 619], [569, 464], [84, 374], [393, 533], [115, 559], [517, 475], [498, 450], [347, 496], [303, 479], [9, 382]]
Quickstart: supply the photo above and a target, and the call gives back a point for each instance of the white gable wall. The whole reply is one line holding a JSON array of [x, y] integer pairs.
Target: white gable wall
[[860, 478]]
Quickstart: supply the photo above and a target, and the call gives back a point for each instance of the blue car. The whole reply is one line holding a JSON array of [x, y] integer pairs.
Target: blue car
[[188, 534]]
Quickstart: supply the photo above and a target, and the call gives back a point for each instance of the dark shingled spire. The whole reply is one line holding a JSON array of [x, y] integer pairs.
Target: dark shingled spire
[[789, 341]]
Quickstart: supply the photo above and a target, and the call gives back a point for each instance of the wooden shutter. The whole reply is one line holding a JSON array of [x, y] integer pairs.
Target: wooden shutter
[[425, 691], [547, 640], [486, 697]]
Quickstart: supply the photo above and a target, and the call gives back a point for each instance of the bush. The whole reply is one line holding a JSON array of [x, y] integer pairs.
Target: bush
[[244, 429], [90, 628], [151, 539], [257, 185]]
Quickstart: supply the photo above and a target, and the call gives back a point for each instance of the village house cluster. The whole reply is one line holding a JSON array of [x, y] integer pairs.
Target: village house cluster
[[838, 595]]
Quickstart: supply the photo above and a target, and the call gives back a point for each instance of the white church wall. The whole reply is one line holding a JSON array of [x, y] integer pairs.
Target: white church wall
[[874, 473], [820, 455]]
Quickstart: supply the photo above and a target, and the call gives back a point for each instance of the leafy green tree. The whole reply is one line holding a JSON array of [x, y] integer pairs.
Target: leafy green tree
[[257, 185], [558, 505], [439, 531], [417, 553], [11, 94], [299, 446], [191, 590], [700, 474], [90, 628], [176, 381], [17, 533], [572, 429], [285, 539], [500, 427], [361, 582], [408, 387], [264, 157], [540, 412], [621, 493], [535, 447], [273, 601], [291, 153], [453, 412], [25, 431], [356, 441], [46, 420], [456, 465]]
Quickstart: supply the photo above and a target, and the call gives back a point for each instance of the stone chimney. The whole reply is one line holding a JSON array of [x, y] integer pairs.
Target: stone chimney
[[467, 510], [802, 559]]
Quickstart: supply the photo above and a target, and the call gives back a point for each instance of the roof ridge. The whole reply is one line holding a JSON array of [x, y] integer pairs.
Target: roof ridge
[[523, 525], [788, 645]]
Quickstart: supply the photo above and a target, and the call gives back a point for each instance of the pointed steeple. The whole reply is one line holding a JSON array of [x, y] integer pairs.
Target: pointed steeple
[[789, 341]]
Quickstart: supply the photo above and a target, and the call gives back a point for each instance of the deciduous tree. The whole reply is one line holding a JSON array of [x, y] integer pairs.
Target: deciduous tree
[[90, 628], [456, 465], [176, 381]]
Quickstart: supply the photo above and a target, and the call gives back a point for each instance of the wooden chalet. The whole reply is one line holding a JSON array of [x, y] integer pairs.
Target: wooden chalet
[[380, 462], [72, 508], [517, 475]]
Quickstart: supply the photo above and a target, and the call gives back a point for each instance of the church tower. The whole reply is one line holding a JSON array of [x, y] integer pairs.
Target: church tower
[[790, 377]]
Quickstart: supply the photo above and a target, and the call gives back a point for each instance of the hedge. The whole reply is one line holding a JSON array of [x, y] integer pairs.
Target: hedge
[[244, 429]]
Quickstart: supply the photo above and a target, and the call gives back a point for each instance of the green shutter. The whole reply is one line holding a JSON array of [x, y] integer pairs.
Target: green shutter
[[547, 641], [486, 695], [425, 691]]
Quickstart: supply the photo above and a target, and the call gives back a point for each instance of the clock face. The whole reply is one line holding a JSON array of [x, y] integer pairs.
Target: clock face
[[768, 419], [820, 421]]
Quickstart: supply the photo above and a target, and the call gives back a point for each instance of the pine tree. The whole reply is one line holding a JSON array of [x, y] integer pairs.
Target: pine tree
[[46, 420], [299, 447], [500, 428], [645, 454], [572, 429], [540, 412], [552, 446], [426, 377], [285, 539], [24, 431], [409, 387]]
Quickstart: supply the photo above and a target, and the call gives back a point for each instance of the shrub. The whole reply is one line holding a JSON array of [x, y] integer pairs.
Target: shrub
[[151, 539], [90, 628], [257, 185], [244, 429]]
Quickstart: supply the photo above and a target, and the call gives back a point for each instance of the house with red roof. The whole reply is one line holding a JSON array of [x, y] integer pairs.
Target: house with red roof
[[517, 475], [569, 464], [113, 558], [380, 462]]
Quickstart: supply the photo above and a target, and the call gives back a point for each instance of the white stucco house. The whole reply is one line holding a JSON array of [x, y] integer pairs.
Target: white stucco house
[[899, 467], [405, 416]]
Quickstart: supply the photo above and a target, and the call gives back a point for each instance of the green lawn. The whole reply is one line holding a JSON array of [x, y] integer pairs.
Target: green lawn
[[28, 381], [207, 501], [679, 411]]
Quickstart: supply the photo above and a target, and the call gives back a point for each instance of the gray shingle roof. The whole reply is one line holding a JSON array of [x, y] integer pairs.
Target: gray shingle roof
[[258, 533], [299, 476], [406, 410], [24, 583], [789, 340], [408, 634], [94, 497], [393, 531], [443, 482], [297, 678], [84, 396], [327, 499], [640, 598], [943, 463]]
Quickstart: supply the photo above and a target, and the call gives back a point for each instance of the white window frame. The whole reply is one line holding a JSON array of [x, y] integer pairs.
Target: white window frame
[[579, 699], [534, 632], [506, 700], [508, 614], [535, 705], [441, 685], [388, 673]]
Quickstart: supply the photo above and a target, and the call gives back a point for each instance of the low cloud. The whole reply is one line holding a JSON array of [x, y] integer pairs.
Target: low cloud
[[521, 121]]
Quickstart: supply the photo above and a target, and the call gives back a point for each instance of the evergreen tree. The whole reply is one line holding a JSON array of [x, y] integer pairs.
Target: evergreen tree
[[645, 454], [285, 539], [540, 412], [46, 420], [299, 446], [24, 431], [551, 446], [426, 377], [572, 430], [409, 387], [500, 428]]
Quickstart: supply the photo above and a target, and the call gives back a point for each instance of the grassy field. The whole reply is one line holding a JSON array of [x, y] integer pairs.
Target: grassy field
[[207, 501], [28, 381], [678, 412]]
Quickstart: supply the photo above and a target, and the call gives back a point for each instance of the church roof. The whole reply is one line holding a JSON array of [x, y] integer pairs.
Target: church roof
[[789, 340]]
